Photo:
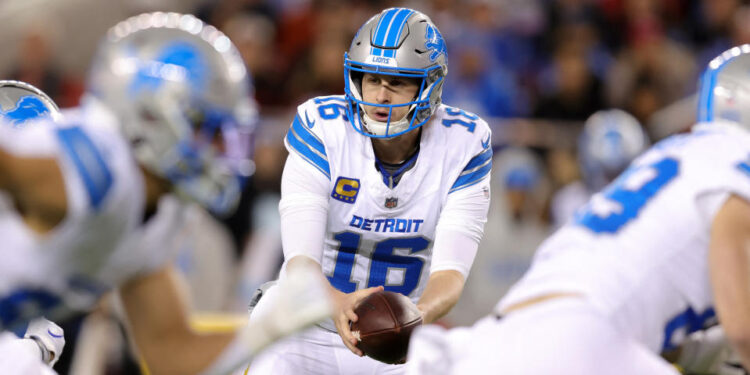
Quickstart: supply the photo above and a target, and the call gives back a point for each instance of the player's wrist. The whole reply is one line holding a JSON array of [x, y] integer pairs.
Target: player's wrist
[[46, 355], [49, 337]]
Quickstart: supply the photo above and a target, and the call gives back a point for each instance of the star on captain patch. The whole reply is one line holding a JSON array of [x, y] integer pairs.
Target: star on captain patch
[[391, 202]]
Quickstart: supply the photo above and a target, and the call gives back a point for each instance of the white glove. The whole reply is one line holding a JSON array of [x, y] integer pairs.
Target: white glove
[[50, 338], [708, 352]]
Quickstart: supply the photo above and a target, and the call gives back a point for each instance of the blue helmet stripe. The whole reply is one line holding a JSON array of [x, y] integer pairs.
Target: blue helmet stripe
[[384, 26], [705, 98], [706, 95], [381, 30], [472, 178], [394, 33]]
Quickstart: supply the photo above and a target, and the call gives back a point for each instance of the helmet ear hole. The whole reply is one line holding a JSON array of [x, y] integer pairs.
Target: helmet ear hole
[[357, 80]]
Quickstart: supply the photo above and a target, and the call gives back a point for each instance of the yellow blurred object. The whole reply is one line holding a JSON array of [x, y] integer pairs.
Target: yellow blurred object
[[217, 322], [211, 322]]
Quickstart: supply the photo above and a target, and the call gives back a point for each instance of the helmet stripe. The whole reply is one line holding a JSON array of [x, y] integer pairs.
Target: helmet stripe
[[705, 100], [381, 30], [708, 81], [399, 28]]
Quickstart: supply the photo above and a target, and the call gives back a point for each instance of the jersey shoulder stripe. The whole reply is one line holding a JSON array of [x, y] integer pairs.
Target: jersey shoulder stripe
[[88, 162], [305, 143], [745, 167], [476, 170]]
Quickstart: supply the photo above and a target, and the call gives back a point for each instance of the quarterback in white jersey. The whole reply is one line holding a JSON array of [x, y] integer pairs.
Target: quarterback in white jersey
[[98, 195], [384, 188], [661, 252]]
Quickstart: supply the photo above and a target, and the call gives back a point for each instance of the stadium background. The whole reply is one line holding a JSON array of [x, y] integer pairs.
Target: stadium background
[[534, 69]]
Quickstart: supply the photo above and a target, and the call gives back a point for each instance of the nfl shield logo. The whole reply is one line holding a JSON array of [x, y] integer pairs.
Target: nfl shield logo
[[391, 202]]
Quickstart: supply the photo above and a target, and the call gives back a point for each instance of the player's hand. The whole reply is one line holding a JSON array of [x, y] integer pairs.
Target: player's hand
[[343, 313], [49, 336], [708, 352]]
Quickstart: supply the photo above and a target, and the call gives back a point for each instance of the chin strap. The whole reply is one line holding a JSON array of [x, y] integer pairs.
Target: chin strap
[[379, 127]]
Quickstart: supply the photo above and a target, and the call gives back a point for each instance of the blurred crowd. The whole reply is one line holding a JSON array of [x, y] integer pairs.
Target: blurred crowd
[[535, 69]]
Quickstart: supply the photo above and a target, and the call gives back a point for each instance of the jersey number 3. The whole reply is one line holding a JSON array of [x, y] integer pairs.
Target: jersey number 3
[[630, 192], [383, 262]]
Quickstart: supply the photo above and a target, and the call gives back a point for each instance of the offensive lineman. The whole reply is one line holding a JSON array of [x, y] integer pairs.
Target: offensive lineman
[[43, 342], [384, 188], [95, 195], [661, 252]]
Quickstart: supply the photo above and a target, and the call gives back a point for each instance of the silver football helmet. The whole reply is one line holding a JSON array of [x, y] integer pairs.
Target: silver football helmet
[[610, 140], [21, 102], [724, 90], [182, 95], [398, 42]]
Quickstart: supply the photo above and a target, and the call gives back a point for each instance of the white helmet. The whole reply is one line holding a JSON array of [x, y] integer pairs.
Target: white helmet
[[397, 42], [177, 86], [21, 102]]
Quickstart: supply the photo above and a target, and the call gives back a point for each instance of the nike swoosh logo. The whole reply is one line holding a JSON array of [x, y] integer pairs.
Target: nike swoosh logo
[[309, 123], [486, 143]]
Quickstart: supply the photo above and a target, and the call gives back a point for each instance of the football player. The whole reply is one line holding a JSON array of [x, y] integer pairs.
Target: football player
[[98, 196], [43, 342], [661, 252], [610, 140], [385, 187]]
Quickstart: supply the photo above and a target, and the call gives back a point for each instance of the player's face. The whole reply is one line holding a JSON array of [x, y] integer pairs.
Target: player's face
[[384, 89]]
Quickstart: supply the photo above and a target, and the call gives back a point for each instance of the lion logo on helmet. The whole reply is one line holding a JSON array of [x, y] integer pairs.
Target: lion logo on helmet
[[27, 107], [435, 43]]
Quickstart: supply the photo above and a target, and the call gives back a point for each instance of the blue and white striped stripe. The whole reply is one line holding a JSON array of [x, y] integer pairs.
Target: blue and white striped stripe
[[308, 146], [477, 168], [388, 31]]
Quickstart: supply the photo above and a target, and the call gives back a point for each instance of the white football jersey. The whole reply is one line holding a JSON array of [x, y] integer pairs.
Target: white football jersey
[[377, 234], [638, 250], [98, 244]]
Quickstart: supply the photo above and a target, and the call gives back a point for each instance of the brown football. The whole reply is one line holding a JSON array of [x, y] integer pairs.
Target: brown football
[[384, 324]]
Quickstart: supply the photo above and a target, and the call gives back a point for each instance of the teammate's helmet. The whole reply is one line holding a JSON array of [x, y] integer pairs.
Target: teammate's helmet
[[398, 42], [21, 102], [724, 90], [181, 93], [610, 140]]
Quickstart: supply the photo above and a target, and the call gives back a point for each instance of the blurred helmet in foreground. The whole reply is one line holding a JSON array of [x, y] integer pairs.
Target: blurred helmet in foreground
[[397, 42], [181, 93], [21, 102], [610, 140], [724, 89]]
